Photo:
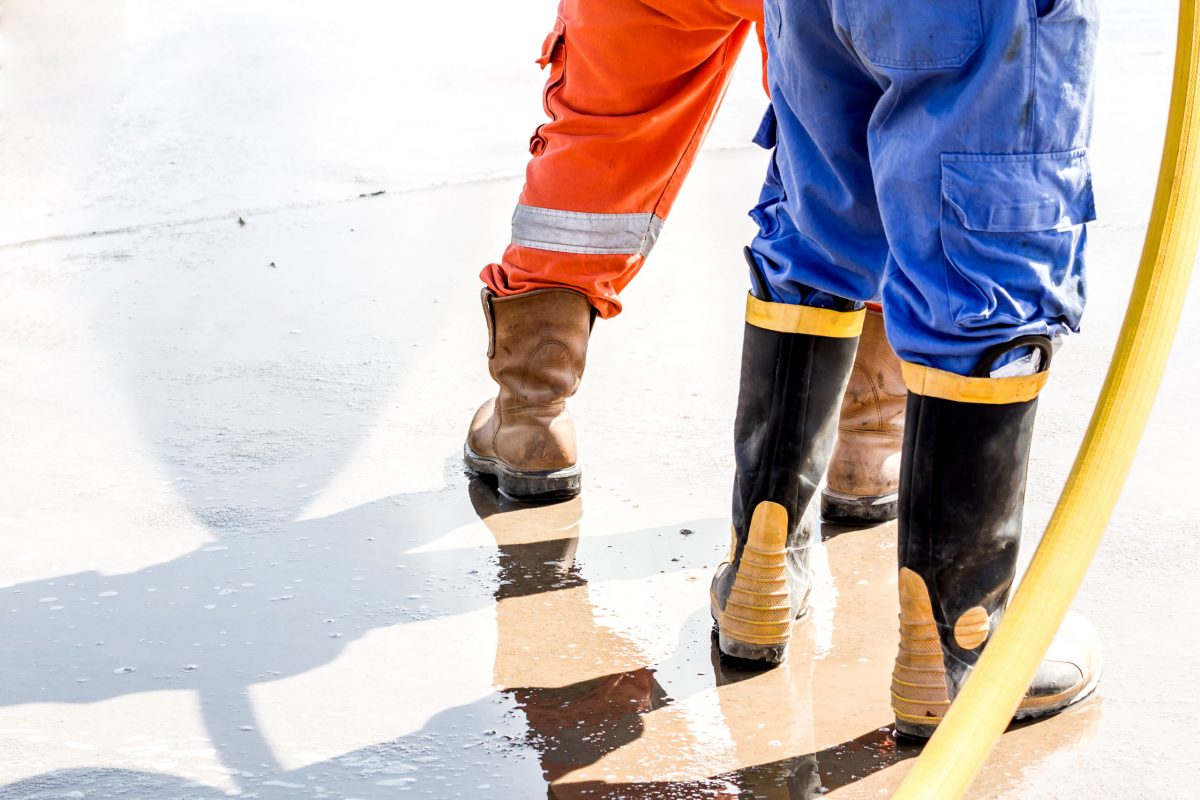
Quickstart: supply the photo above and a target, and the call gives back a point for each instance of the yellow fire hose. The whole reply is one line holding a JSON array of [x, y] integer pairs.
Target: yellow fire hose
[[983, 710]]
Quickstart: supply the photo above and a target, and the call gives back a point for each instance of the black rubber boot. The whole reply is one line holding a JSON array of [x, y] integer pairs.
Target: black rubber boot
[[962, 491], [791, 390]]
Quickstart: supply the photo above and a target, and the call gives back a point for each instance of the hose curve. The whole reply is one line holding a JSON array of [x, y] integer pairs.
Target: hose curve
[[984, 708]]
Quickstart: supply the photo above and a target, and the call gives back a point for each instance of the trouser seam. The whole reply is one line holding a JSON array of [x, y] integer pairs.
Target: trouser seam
[[718, 90], [1034, 44]]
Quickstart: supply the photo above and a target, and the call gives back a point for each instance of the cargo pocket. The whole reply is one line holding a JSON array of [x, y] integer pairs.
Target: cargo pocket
[[553, 56], [930, 34], [1013, 235]]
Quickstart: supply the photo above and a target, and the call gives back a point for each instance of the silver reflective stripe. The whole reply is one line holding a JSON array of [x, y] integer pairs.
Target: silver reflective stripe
[[580, 232]]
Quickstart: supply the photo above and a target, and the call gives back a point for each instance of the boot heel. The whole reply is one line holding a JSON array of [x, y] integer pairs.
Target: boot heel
[[528, 486], [852, 510], [912, 731], [539, 486], [756, 621]]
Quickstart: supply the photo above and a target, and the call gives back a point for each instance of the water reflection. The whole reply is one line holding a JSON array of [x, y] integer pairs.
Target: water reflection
[[574, 724], [585, 705], [603, 726]]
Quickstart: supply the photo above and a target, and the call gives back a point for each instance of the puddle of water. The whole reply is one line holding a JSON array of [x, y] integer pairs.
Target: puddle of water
[[819, 724]]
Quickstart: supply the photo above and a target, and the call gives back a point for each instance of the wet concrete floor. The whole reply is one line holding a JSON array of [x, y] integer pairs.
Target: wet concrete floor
[[238, 554]]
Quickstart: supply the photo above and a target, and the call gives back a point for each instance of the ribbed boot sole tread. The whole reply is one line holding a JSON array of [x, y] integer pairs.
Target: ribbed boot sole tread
[[756, 622], [525, 485]]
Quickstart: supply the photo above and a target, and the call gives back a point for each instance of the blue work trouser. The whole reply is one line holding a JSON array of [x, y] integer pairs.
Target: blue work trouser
[[931, 153]]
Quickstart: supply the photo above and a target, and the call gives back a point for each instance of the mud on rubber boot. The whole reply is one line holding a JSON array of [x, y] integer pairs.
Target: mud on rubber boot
[[795, 363], [962, 488], [524, 438], [863, 480]]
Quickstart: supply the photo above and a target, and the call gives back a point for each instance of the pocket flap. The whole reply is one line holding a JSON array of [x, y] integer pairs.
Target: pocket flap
[[1012, 193], [767, 133], [551, 43]]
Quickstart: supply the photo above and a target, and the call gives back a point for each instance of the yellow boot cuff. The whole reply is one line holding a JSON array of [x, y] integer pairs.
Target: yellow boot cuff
[[787, 318], [931, 382]]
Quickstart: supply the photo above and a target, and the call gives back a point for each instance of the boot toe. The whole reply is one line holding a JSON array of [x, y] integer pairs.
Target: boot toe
[[1070, 671], [863, 479], [480, 434]]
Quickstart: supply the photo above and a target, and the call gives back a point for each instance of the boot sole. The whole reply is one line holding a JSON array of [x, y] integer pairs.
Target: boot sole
[[851, 509], [745, 651], [525, 485], [732, 648], [924, 732]]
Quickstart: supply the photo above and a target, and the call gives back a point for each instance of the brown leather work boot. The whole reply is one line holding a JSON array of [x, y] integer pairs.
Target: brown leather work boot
[[864, 472], [524, 437]]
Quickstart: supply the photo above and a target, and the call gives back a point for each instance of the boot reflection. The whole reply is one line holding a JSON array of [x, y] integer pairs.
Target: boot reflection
[[750, 736], [817, 724], [574, 726], [782, 699], [583, 687]]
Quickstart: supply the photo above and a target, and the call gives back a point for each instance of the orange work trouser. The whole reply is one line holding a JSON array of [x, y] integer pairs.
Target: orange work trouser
[[633, 88]]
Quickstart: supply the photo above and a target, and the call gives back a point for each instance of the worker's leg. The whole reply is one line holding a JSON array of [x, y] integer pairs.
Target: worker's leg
[[633, 86], [979, 154], [979, 221], [803, 320], [980, 162], [977, 151], [632, 89]]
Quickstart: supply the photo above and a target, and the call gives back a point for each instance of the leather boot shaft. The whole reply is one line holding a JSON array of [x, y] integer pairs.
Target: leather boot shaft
[[537, 346], [537, 349], [864, 470]]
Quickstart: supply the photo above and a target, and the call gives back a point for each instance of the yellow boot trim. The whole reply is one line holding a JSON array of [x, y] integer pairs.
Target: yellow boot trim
[[919, 692], [930, 382], [972, 628], [758, 610], [788, 318]]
